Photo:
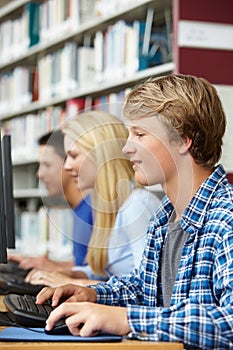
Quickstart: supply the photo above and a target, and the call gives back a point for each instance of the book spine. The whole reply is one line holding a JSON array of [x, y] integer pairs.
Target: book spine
[[33, 12]]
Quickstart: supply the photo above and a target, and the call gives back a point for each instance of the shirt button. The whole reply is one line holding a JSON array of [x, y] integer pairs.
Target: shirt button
[[143, 334]]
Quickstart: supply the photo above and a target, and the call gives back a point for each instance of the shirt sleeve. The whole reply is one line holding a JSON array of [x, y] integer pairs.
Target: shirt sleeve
[[120, 291]]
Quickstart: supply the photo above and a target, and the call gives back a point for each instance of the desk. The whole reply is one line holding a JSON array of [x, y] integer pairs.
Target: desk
[[124, 345]]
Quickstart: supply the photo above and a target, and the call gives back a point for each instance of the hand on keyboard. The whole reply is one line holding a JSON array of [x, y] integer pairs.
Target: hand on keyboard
[[11, 283], [26, 312]]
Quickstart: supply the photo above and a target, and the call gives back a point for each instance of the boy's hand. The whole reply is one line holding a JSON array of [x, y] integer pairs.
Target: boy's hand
[[88, 319], [68, 293]]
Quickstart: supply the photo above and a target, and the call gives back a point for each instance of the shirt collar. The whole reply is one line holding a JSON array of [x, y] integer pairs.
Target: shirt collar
[[195, 212]]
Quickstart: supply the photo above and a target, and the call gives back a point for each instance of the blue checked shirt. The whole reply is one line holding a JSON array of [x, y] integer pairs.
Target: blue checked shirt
[[201, 309]]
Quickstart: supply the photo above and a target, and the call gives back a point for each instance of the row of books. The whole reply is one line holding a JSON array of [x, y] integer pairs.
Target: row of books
[[32, 126], [25, 131], [16, 89], [65, 70], [20, 33], [45, 232], [46, 21], [42, 22], [120, 51], [104, 8], [64, 16], [57, 17], [128, 47]]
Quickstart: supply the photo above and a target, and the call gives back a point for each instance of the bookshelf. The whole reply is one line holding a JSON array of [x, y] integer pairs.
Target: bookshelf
[[29, 110], [39, 89]]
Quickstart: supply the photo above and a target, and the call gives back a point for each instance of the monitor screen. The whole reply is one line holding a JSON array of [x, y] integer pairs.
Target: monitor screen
[[3, 244], [7, 220], [8, 189]]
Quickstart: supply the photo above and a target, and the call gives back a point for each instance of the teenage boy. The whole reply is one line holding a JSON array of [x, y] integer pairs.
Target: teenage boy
[[183, 290]]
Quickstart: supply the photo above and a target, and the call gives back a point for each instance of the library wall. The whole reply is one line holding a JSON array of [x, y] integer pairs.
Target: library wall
[[203, 46], [203, 40]]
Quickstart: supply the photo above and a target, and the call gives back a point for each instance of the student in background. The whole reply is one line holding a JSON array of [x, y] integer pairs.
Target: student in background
[[121, 210], [59, 183], [183, 290]]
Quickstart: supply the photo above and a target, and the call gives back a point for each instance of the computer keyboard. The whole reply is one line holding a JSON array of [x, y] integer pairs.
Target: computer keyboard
[[25, 312], [11, 283], [13, 267]]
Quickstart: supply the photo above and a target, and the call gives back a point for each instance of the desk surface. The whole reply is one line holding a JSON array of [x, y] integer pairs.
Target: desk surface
[[124, 345]]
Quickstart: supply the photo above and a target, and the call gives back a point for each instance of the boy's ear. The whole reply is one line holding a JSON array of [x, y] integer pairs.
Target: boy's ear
[[185, 146]]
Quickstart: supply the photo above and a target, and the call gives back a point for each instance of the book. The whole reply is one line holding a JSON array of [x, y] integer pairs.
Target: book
[[99, 56], [32, 11], [86, 67], [60, 244], [87, 10], [74, 106], [31, 242]]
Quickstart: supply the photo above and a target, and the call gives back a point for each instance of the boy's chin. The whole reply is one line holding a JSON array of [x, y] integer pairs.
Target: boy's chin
[[141, 181]]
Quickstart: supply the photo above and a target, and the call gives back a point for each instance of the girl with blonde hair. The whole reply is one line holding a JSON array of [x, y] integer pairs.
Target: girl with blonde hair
[[121, 209]]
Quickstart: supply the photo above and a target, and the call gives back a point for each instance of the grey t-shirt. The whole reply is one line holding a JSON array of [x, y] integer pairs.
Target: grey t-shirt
[[171, 255]]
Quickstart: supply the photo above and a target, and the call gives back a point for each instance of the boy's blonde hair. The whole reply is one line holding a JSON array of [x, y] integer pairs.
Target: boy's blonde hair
[[103, 136], [189, 106]]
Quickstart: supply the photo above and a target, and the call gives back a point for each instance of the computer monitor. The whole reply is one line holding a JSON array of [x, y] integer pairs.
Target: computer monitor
[[8, 188], [3, 243], [7, 220]]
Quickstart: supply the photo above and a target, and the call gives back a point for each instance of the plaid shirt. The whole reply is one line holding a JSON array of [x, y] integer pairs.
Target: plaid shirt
[[201, 310]]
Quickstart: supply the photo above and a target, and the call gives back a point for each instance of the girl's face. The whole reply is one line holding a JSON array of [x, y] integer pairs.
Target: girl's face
[[153, 156], [79, 165]]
